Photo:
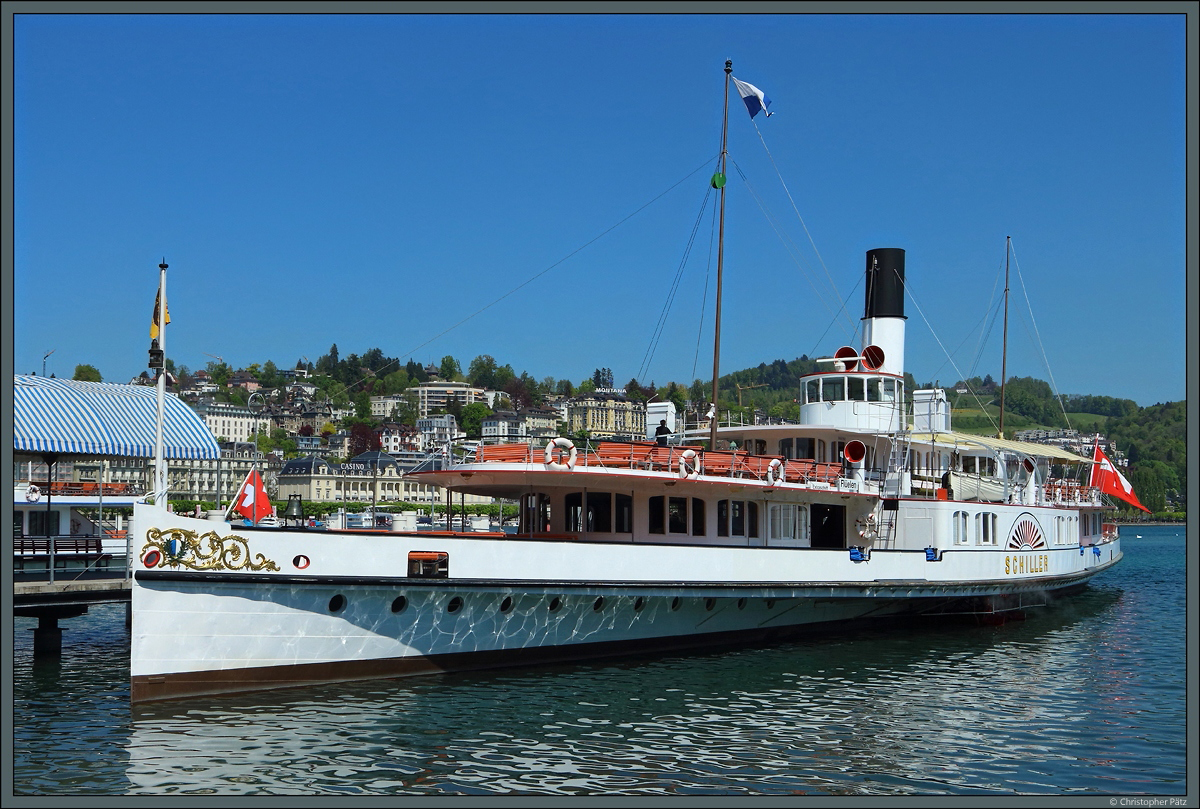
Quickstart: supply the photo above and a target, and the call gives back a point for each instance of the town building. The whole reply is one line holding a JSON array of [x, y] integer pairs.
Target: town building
[[607, 416]]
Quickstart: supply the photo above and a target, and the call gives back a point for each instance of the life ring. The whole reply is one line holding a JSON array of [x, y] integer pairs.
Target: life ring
[[689, 464], [33, 494], [557, 447], [866, 526], [775, 473]]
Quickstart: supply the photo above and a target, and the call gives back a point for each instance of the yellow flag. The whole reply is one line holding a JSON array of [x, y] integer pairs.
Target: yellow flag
[[154, 320]]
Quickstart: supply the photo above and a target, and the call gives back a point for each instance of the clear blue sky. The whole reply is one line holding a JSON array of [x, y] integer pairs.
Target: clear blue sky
[[371, 181]]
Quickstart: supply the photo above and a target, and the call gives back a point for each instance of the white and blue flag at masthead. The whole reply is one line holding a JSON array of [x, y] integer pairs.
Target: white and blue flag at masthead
[[755, 98]]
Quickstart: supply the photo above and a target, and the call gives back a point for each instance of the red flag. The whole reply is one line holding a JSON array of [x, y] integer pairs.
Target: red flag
[[1107, 479], [252, 501]]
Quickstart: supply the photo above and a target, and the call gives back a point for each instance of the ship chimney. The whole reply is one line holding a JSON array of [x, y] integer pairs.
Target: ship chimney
[[883, 316]]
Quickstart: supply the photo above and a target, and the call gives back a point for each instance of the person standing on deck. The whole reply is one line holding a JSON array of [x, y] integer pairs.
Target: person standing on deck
[[662, 432]]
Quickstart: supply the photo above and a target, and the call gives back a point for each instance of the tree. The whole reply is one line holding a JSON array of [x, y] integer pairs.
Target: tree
[[363, 439], [87, 373], [450, 369], [415, 371], [269, 377], [482, 372], [472, 419]]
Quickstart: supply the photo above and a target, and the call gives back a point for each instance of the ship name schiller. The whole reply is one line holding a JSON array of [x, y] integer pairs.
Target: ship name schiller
[[1027, 563]]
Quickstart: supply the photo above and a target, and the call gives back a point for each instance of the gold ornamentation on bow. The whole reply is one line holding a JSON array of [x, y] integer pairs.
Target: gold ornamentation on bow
[[208, 551]]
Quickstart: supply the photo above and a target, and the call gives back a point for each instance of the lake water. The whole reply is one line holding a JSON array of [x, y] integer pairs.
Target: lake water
[[1085, 698]]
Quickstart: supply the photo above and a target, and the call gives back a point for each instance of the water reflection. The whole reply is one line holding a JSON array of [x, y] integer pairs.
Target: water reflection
[[1085, 698], [927, 710]]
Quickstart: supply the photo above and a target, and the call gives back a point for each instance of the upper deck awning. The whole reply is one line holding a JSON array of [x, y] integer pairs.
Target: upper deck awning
[[1024, 447], [67, 417]]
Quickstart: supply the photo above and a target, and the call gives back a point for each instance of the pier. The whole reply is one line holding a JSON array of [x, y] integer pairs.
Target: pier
[[51, 602]]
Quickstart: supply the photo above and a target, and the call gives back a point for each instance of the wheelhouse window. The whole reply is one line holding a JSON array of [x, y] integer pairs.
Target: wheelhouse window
[[785, 448], [834, 389], [873, 392], [855, 389], [812, 391]]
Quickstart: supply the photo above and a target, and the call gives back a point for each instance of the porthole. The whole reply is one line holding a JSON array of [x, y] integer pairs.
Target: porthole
[[555, 604], [770, 603], [337, 603], [455, 604], [638, 604], [675, 603], [300, 562], [741, 603], [709, 603], [399, 603], [506, 604], [598, 604]]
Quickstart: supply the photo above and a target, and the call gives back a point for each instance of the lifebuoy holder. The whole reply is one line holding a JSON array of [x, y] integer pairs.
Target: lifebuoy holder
[[689, 464], [555, 451], [775, 472]]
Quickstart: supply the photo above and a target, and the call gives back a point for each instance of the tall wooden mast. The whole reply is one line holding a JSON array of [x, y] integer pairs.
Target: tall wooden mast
[[1004, 355], [719, 183]]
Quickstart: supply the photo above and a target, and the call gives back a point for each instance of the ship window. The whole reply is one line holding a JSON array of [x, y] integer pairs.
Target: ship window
[[873, 394], [785, 448], [813, 391], [737, 518], [985, 528], [599, 511], [38, 524], [802, 523], [624, 514], [854, 387], [677, 515], [752, 520], [698, 517], [535, 513], [959, 527], [722, 518], [889, 390], [834, 389], [657, 514], [806, 449], [781, 522]]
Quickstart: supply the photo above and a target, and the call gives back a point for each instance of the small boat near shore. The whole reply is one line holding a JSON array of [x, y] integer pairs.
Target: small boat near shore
[[867, 510]]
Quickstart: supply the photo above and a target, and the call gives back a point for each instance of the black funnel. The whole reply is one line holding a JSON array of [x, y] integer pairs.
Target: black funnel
[[885, 283]]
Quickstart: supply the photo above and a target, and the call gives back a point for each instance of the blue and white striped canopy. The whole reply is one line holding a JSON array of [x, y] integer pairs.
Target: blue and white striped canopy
[[97, 418]]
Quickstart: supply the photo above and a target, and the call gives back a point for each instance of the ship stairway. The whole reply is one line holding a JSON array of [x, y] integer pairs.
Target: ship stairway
[[893, 478], [887, 529]]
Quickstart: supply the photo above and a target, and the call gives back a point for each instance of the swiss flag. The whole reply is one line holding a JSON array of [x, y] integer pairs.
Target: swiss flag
[[252, 501], [1107, 479]]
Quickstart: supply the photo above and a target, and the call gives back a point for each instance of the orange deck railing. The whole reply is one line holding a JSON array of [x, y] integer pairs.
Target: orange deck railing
[[651, 457]]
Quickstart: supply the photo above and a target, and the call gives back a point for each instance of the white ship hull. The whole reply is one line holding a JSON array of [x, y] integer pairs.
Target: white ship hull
[[219, 617]]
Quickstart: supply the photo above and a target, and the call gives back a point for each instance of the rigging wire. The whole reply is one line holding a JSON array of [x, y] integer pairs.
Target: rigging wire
[[793, 203], [648, 357], [793, 252], [1041, 347], [913, 298], [704, 298]]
